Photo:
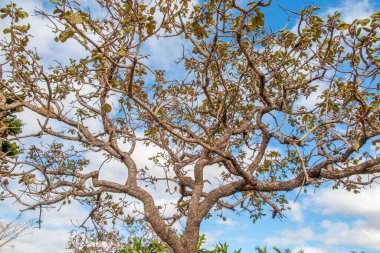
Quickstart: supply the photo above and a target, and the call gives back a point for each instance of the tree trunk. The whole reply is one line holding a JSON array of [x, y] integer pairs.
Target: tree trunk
[[191, 236]]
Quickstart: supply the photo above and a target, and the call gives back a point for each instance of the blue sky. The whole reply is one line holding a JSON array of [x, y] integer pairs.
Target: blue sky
[[320, 221]]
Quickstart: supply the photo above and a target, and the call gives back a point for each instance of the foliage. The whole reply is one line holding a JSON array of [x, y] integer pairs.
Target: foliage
[[219, 248], [112, 241], [137, 246], [133, 236], [276, 250], [95, 242], [155, 247], [242, 92], [10, 126]]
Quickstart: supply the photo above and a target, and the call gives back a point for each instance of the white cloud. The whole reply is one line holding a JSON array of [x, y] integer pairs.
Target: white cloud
[[308, 249], [163, 52], [311, 101], [43, 38], [212, 238], [291, 237], [296, 212], [229, 223], [341, 202], [349, 220], [54, 233], [352, 9], [360, 233], [363, 227]]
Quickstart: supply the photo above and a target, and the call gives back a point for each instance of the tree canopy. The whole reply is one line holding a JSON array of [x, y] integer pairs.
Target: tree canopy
[[234, 131]]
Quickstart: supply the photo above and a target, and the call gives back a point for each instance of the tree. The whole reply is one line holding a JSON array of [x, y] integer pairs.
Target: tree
[[10, 126], [100, 239], [11, 230], [93, 241], [276, 250], [111, 241], [241, 94]]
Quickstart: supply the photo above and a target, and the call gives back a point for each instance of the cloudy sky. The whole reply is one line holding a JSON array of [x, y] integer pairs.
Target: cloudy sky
[[320, 221]]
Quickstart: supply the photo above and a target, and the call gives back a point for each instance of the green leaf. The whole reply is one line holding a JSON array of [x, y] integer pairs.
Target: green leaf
[[152, 11], [121, 52], [19, 109], [356, 146], [7, 30], [54, 1], [364, 21], [257, 20], [10, 148], [6, 182], [376, 15], [22, 14], [74, 17], [63, 36], [343, 26], [56, 11], [107, 108]]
